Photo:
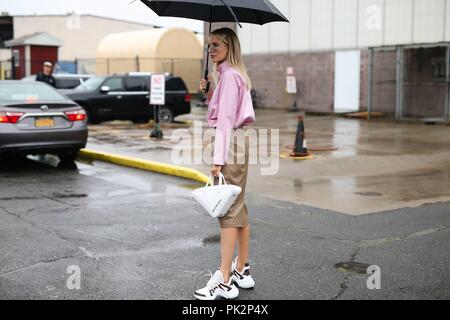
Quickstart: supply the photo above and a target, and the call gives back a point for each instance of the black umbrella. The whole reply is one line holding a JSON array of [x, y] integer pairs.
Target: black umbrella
[[245, 11]]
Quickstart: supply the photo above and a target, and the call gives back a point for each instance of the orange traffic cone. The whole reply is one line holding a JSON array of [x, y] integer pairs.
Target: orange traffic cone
[[300, 148]]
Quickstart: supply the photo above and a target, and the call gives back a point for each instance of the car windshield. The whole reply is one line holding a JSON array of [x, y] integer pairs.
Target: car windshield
[[24, 92], [90, 84]]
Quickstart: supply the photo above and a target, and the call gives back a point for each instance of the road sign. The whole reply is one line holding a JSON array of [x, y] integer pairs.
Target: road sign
[[157, 89], [291, 84]]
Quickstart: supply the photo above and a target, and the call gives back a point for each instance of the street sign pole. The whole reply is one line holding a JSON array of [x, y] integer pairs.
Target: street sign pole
[[157, 99]]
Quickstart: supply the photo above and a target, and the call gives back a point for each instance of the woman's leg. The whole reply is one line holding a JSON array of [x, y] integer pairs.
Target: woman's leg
[[227, 241], [243, 236]]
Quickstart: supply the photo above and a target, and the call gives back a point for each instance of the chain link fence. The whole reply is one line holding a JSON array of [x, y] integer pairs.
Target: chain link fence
[[190, 70]]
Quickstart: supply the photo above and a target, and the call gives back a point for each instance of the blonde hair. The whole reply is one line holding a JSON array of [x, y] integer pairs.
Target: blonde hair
[[234, 56]]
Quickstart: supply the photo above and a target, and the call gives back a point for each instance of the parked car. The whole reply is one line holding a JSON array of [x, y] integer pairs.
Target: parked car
[[37, 119], [70, 81], [126, 97], [65, 81]]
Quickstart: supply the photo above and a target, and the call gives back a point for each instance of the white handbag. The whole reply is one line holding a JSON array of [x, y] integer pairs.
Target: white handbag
[[216, 200]]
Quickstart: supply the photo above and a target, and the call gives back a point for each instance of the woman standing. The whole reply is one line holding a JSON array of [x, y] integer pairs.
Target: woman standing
[[230, 109]]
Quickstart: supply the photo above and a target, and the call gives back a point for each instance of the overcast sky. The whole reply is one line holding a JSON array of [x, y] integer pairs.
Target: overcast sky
[[120, 9]]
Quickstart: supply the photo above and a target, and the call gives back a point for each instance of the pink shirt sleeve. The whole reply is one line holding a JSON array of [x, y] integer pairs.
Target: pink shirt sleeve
[[226, 117]]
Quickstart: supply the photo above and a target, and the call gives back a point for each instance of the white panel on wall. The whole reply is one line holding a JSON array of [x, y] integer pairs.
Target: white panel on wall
[[260, 38], [371, 23], [447, 20], [300, 22], [345, 23], [399, 20], [245, 37], [347, 81], [279, 31], [321, 24], [429, 21]]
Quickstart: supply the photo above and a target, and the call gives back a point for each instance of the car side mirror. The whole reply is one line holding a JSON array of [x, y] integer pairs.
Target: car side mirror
[[104, 89]]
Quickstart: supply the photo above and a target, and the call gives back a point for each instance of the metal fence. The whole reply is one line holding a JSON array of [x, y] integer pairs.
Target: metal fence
[[188, 69], [411, 82]]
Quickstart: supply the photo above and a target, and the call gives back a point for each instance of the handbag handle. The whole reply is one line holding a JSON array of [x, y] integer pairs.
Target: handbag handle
[[221, 180]]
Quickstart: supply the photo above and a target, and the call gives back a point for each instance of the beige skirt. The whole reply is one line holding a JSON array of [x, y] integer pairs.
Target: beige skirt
[[235, 172]]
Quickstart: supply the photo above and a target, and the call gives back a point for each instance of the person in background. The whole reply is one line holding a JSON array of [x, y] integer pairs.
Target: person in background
[[46, 74]]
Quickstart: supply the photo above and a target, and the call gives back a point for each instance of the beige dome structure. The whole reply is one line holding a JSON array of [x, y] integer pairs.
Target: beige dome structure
[[174, 50]]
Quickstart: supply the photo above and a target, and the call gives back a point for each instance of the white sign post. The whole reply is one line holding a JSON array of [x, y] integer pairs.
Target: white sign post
[[291, 87], [157, 99]]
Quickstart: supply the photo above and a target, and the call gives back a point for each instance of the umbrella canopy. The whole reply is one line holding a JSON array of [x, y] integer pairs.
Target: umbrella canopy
[[245, 11]]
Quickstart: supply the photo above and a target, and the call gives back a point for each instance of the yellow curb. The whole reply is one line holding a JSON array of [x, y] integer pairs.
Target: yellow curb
[[153, 166]]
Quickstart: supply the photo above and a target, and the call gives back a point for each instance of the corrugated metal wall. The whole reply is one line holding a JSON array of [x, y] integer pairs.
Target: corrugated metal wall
[[328, 25]]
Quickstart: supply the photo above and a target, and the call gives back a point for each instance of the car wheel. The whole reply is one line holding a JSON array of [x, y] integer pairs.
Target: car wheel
[[68, 155], [91, 119], [165, 115]]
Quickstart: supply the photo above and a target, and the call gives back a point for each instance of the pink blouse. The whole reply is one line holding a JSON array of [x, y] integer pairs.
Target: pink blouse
[[230, 108]]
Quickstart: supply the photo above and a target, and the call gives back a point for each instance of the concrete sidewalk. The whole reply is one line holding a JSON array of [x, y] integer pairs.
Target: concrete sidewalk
[[378, 165]]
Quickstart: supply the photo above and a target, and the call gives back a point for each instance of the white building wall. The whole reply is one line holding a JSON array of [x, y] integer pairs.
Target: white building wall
[[329, 25], [429, 22], [279, 31], [345, 23], [300, 21], [81, 34], [321, 24], [399, 22]]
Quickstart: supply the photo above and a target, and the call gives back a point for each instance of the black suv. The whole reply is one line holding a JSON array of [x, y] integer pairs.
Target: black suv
[[126, 97]]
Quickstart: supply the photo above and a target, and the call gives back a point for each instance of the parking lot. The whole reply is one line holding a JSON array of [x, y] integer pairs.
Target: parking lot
[[138, 235]]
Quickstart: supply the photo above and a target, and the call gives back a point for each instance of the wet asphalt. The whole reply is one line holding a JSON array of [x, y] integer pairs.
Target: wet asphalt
[[138, 235]]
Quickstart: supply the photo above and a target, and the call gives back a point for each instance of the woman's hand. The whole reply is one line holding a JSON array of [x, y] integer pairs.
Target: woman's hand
[[203, 85], [215, 170]]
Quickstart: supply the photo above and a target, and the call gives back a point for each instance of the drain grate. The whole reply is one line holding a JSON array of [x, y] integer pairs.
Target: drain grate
[[369, 194]]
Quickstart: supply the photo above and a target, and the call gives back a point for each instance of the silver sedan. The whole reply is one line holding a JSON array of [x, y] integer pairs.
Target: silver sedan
[[37, 119]]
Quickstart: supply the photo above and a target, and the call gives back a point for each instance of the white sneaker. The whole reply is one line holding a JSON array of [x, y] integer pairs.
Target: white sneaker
[[217, 288], [243, 280]]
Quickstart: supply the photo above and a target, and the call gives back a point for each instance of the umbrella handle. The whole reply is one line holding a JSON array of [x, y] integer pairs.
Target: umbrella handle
[[208, 83]]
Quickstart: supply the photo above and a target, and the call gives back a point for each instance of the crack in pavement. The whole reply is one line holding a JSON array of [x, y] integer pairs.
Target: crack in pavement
[[54, 232], [37, 264], [364, 243], [344, 285], [383, 241]]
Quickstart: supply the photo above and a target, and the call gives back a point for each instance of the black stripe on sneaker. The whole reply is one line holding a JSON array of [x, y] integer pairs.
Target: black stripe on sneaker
[[237, 274], [199, 294], [221, 285]]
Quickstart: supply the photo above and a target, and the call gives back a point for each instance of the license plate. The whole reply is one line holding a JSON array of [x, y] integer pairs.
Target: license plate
[[45, 122]]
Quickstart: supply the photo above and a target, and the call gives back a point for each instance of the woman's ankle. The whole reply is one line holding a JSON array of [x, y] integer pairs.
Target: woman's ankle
[[226, 275]]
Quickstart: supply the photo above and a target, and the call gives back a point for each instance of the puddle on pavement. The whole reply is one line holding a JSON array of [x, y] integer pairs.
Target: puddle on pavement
[[355, 267], [121, 192], [70, 195], [215, 238], [190, 186]]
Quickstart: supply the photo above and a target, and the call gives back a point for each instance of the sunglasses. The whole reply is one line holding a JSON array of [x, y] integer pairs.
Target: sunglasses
[[213, 46]]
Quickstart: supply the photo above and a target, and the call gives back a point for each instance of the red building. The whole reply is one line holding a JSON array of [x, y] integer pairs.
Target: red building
[[30, 51]]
